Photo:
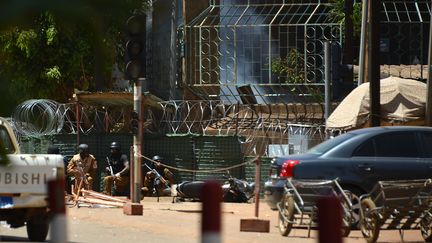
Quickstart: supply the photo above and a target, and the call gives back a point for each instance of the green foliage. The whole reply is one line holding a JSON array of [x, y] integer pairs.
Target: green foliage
[[290, 70], [337, 14], [50, 48]]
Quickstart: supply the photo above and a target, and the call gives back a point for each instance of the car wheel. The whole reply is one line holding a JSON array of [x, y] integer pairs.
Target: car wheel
[[37, 230], [354, 195], [286, 215], [369, 225]]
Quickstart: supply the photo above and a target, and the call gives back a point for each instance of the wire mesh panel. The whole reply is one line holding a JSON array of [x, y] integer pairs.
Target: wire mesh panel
[[234, 43], [214, 153], [404, 32]]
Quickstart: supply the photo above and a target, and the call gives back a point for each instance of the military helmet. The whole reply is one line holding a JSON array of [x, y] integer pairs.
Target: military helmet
[[83, 148], [157, 158], [115, 145]]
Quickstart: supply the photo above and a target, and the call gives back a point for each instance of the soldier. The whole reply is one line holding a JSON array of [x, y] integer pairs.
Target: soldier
[[118, 170], [82, 167], [151, 185]]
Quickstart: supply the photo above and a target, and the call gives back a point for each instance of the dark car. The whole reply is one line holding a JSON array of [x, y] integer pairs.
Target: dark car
[[359, 159]]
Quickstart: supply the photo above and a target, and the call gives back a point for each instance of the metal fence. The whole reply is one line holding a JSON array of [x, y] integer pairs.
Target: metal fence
[[234, 43]]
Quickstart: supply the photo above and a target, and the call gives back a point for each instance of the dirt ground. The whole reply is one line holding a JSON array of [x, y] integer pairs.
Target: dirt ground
[[165, 221]]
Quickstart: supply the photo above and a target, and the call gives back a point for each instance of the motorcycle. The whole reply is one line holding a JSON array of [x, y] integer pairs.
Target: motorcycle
[[233, 190]]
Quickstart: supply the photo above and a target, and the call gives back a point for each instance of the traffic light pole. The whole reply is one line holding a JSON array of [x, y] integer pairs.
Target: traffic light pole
[[374, 63], [137, 140]]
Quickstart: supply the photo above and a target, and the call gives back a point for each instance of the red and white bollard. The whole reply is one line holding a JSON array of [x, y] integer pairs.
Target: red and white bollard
[[56, 202], [329, 220], [211, 198]]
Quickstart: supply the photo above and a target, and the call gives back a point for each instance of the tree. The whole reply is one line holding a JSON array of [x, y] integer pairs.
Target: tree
[[337, 13], [61, 46], [290, 70]]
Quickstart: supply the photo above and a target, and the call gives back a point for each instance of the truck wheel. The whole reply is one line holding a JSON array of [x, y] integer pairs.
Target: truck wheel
[[37, 231]]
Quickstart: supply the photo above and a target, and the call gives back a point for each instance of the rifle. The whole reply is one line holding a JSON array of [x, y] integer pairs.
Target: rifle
[[112, 173], [110, 166], [158, 177]]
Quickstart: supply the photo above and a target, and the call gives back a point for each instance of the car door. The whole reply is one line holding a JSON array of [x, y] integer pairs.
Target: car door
[[426, 139], [390, 156]]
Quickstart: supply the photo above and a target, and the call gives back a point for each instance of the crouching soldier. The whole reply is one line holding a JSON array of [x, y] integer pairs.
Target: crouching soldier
[[154, 184], [118, 172], [82, 168]]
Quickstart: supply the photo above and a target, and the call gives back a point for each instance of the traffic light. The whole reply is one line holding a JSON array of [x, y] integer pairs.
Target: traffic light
[[135, 47], [339, 73], [134, 123]]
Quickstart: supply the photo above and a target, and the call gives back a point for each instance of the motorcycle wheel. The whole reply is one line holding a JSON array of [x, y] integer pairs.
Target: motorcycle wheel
[[286, 215]]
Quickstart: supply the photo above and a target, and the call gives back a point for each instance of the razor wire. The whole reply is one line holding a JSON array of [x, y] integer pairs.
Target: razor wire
[[254, 126], [34, 118], [40, 117]]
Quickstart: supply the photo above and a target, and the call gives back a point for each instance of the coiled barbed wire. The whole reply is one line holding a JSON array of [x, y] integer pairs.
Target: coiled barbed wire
[[38, 117], [253, 126]]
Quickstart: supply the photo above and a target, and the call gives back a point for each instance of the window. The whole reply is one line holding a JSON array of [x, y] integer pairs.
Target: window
[[5, 141], [330, 143], [400, 144], [427, 138], [365, 149]]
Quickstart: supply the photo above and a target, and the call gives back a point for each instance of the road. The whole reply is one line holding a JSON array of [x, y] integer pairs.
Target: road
[[165, 221]]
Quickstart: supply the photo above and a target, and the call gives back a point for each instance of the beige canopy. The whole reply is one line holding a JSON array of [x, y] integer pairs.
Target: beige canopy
[[402, 102]]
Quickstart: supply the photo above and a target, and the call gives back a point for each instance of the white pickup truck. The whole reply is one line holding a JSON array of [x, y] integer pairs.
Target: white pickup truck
[[23, 185]]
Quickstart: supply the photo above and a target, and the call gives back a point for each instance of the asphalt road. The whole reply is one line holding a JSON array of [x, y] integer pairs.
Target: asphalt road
[[165, 221]]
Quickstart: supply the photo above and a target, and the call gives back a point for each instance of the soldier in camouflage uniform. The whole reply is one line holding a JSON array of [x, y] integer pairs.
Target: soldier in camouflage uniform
[[151, 185], [82, 168]]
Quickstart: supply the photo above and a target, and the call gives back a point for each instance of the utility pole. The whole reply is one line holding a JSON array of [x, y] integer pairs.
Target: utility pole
[[428, 107], [374, 61], [348, 53], [137, 140], [362, 54]]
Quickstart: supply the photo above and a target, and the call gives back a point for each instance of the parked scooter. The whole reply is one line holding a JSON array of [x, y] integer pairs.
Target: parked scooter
[[233, 190]]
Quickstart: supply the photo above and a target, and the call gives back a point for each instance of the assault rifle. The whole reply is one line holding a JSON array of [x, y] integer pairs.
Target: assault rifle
[[110, 166], [111, 170], [158, 180]]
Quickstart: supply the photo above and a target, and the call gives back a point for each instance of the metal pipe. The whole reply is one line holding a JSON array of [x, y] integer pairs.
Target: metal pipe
[[137, 139], [374, 64], [131, 169], [362, 41], [78, 120], [327, 79], [257, 185]]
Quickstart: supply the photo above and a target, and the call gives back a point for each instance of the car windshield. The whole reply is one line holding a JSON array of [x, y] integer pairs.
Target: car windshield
[[5, 141], [329, 144]]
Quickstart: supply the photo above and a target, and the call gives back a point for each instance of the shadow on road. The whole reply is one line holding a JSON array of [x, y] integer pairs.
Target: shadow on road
[[6, 238]]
